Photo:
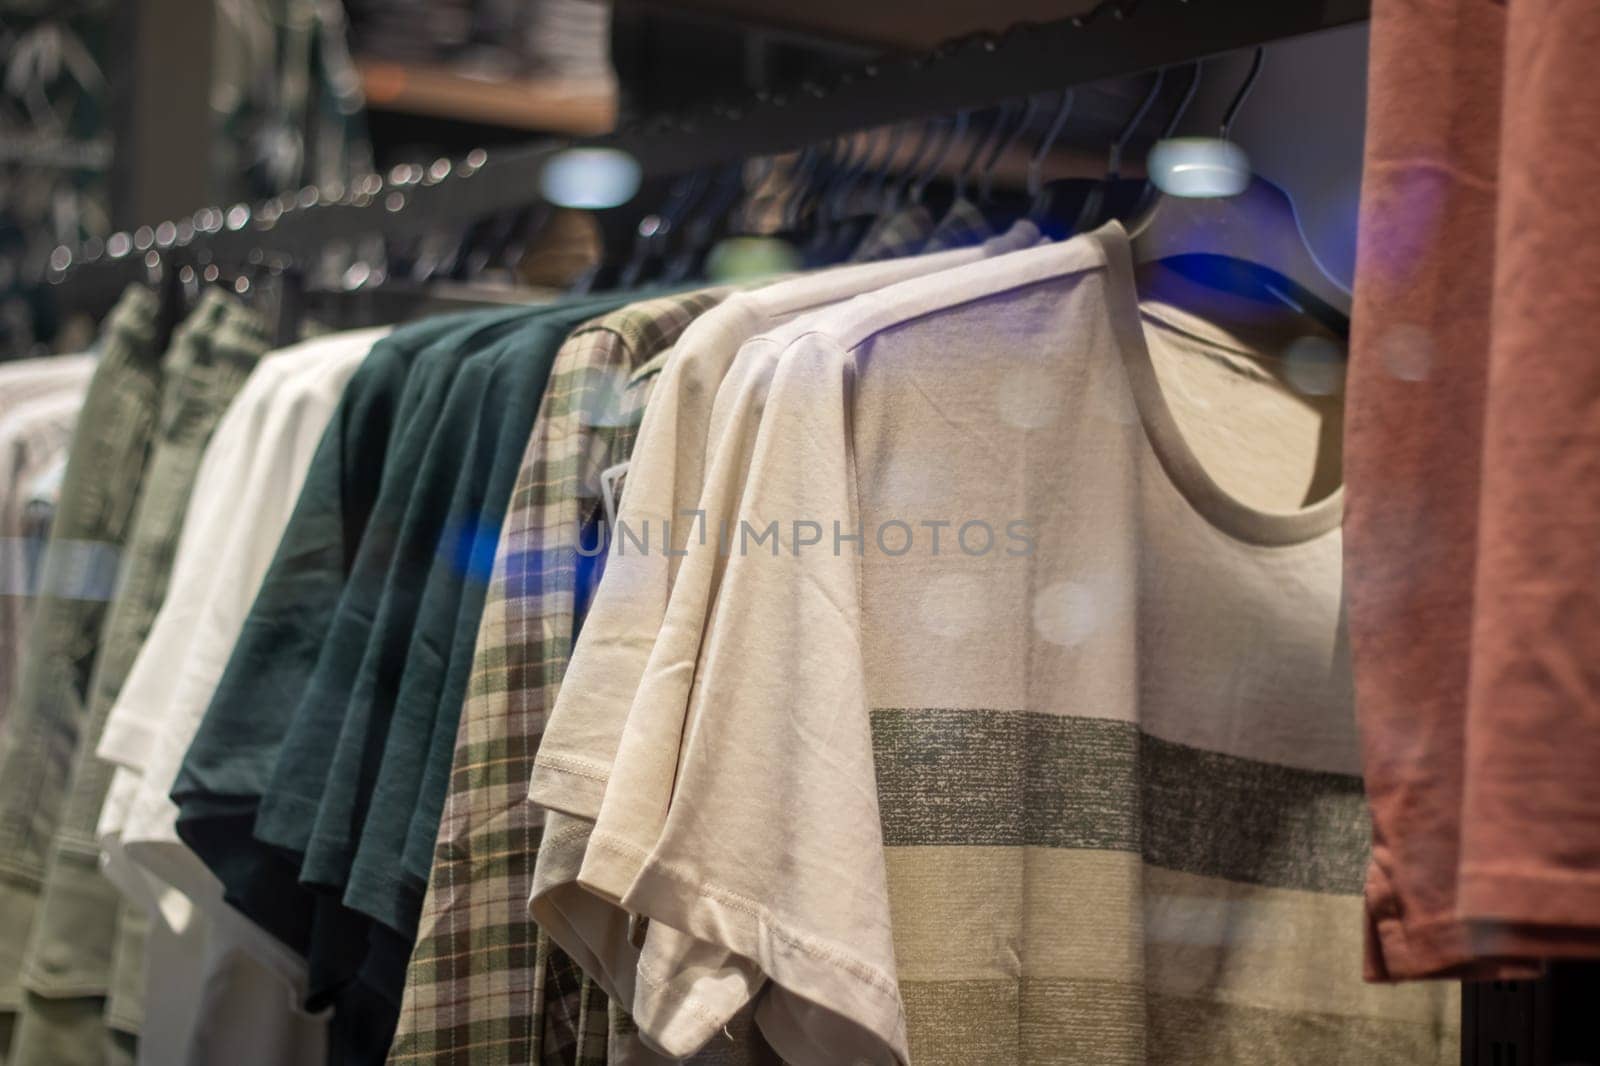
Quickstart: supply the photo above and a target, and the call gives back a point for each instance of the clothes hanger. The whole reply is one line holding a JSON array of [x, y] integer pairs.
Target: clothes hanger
[[1150, 191], [1251, 243], [173, 304], [964, 176], [1001, 212], [896, 191], [700, 231], [962, 222], [1030, 108], [286, 305], [881, 170], [851, 155], [860, 241], [957, 130], [900, 187], [904, 220], [1093, 211], [799, 197], [1041, 196], [653, 229]]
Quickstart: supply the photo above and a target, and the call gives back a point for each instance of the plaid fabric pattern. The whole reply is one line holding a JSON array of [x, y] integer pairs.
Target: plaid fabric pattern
[[485, 985], [963, 226], [902, 233]]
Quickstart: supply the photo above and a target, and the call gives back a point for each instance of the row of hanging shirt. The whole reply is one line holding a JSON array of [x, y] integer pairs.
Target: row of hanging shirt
[[966, 683]]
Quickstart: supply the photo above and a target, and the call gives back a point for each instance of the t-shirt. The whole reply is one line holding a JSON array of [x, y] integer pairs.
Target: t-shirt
[[1082, 773], [482, 978], [429, 610], [699, 401], [259, 453], [445, 390], [1473, 535], [228, 763]]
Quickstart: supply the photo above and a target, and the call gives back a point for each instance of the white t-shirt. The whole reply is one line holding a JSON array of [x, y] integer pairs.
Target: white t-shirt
[[245, 489], [710, 389], [1080, 772]]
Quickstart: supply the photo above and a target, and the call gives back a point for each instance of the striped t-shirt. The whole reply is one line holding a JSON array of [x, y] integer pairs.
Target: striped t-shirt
[[1028, 738]]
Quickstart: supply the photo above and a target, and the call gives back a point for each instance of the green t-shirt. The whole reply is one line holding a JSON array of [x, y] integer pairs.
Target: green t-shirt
[[370, 690], [231, 759], [288, 806], [432, 682]]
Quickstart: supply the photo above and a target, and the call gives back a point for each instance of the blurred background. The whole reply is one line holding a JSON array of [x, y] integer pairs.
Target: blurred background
[[115, 115]]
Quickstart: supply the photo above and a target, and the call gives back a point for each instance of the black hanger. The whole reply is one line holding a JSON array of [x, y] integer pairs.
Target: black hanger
[[1251, 243], [964, 176], [799, 197], [881, 171], [832, 231], [1030, 107], [1094, 210], [900, 187], [895, 185], [653, 229], [1041, 196], [957, 130], [286, 305], [954, 227], [1149, 192], [172, 304], [700, 230]]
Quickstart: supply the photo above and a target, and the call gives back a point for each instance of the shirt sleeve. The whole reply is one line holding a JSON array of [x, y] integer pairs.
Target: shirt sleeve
[[644, 744], [580, 738], [580, 742], [769, 873]]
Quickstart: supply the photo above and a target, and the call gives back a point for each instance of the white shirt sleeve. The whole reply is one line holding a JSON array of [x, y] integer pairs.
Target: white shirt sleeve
[[585, 918], [768, 873]]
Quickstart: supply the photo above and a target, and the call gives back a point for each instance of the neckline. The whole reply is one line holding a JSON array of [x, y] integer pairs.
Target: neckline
[[1183, 468]]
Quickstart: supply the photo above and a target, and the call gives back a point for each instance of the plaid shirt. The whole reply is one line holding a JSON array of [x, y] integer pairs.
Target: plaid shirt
[[485, 985]]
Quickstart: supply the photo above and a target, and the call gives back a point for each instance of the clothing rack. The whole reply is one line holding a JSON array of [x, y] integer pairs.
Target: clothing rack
[[1504, 1023], [1117, 38]]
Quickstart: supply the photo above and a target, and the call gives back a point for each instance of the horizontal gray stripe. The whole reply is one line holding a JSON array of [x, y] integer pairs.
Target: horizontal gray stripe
[[1099, 1023], [1019, 779]]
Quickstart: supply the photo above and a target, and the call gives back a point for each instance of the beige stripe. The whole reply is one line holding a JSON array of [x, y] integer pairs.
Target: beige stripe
[[977, 914], [1093, 1023]]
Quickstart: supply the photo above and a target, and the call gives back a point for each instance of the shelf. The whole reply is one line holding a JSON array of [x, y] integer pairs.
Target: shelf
[[547, 105]]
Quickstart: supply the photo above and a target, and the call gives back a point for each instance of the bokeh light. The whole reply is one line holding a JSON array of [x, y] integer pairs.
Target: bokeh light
[[1199, 167], [1406, 352], [590, 178], [745, 258], [1314, 366]]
